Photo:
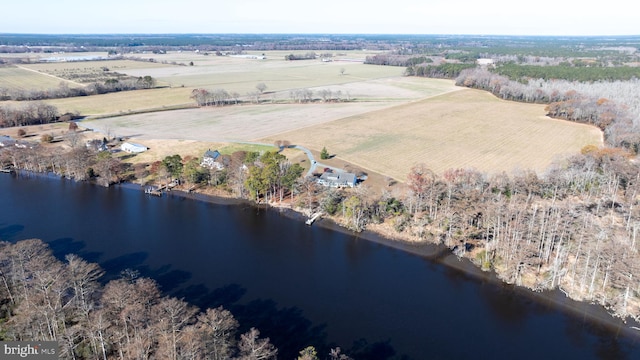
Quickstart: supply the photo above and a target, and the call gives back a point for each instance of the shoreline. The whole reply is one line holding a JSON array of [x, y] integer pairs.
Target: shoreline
[[440, 254], [436, 253]]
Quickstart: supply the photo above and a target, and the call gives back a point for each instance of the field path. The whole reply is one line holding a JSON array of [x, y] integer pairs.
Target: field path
[[52, 76]]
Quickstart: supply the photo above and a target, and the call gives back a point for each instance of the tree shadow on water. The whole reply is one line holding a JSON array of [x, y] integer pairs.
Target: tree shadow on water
[[169, 280], [380, 350], [225, 296], [114, 267], [64, 246], [9, 232], [287, 328]]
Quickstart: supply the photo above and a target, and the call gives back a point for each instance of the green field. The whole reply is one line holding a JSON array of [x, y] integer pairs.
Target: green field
[[241, 75], [16, 78], [125, 102]]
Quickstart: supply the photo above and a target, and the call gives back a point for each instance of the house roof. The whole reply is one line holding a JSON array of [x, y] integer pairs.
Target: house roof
[[338, 178], [130, 144], [212, 154]]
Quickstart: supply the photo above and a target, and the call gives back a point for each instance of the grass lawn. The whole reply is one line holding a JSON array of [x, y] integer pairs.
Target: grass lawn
[[16, 78]]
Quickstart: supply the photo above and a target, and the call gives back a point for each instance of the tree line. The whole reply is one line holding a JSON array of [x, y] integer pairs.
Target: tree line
[[574, 228], [611, 105], [222, 97], [76, 161], [46, 299], [306, 56], [65, 91], [442, 71], [32, 113], [575, 71]]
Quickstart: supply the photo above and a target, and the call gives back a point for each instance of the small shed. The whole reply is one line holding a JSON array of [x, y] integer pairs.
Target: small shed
[[133, 148]]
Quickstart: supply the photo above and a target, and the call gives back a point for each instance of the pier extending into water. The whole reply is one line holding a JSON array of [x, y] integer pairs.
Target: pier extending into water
[[313, 218]]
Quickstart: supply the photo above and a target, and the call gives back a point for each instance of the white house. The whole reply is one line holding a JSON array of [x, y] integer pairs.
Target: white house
[[212, 160], [133, 148]]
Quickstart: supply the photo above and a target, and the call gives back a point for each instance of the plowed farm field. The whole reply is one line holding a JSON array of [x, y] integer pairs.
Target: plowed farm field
[[462, 129]]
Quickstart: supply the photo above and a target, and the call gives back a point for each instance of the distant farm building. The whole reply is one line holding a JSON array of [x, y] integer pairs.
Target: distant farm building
[[254, 57], [337, 179], [133, 148], [212, 160], [484, 62]]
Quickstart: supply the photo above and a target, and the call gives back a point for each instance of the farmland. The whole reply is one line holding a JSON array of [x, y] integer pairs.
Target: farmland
[[384, 122], [89, 71], [126, 101], [463, 129], [18, 78]]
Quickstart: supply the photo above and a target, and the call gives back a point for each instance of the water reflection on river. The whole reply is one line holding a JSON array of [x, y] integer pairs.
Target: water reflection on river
[[304, 285]]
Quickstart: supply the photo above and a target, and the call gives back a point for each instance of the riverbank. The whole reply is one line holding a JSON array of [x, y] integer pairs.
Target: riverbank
[[431, 252], [440, 254]]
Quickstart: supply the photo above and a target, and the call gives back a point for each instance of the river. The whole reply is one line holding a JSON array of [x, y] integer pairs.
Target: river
[[305, 285]]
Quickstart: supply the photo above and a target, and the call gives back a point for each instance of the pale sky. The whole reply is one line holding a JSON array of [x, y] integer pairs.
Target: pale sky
[[489, 17]]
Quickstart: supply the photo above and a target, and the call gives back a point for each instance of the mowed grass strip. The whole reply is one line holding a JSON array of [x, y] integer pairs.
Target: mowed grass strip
[[125, 101], [14, 78], [462, 129]]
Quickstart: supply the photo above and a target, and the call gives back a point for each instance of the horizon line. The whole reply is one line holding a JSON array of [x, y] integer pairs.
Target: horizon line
[[312, 34]]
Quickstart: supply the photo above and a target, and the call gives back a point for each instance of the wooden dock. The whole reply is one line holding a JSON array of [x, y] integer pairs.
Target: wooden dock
[[153, 191], [313, 218]]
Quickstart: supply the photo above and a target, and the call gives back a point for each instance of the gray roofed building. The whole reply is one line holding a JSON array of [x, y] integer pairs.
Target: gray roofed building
[[212, 159], [337, 179]]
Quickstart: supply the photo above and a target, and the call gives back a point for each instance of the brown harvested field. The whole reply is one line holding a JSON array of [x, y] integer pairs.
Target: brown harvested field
[[463, 129], [231, 123], [252, 122], [390, 123], [460, 129], [239, 75]]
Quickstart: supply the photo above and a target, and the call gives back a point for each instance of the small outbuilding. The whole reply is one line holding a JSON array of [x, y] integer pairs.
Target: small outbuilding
[[133, 148]]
